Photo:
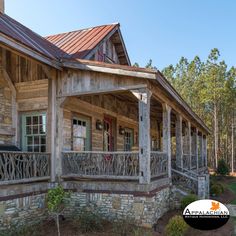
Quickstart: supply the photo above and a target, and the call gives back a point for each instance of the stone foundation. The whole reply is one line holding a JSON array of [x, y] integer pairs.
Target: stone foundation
[[144, 210], [22, 211]]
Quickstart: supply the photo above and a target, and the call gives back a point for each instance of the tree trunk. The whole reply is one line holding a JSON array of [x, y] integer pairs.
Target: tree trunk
[[216, 135], [232, 145]]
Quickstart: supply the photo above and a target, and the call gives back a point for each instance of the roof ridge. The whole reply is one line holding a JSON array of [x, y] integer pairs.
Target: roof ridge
[[87, 28]]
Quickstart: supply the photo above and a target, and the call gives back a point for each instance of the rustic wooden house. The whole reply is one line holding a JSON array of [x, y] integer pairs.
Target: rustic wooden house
[[76, 111]]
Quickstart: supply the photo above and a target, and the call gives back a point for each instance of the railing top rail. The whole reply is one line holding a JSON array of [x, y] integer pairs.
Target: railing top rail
[[99, 152], [184, 174], [115, 152], [158, 152], [20, 152]]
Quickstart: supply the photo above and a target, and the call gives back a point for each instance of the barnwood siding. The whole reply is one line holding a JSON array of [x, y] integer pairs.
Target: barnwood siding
[[28, 91], [32, 95], [6, 129], [23, 69], [96, 107], [106, 52]]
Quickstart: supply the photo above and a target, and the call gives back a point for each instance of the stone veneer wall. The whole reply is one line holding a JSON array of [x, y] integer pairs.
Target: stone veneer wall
[[145, 210], [22, 211]]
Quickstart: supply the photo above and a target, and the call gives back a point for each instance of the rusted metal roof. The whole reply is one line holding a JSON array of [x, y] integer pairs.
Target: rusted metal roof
[[78, 44], [24, 35]]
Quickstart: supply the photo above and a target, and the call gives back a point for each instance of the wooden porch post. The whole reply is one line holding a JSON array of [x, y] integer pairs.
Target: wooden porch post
[[167, 134], [52, 124], [201, 150], [59, 138], [179, 141], [204, 151], [196, 147], [189, 145], [144, 136]]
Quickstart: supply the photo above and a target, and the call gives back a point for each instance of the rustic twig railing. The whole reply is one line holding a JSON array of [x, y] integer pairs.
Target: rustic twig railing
[[186, 161], [113, 165], [159, 164], [20, 167], [193, 161], [186, 180]]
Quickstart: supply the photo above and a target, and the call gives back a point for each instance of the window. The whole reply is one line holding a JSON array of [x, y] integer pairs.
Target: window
[[34, 132], [81, 134], [128, 140]]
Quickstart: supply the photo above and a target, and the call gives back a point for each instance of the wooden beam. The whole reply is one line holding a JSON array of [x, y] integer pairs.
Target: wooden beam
[[189, 144], [167, 134], [103, 69], [104, 91], [196, 139], [179, 141], [144, 136], [52, 123]]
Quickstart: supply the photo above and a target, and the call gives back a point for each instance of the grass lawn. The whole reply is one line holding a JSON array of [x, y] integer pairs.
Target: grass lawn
[[232, 187]]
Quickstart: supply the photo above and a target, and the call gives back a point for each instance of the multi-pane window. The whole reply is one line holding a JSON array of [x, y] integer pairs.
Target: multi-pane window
[[34, 132], [81, 136], [128, 140]]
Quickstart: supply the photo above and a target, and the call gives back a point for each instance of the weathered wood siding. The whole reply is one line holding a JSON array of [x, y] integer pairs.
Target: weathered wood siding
[[23, 88], [6, 129], [23, 69], [96, 107], [106, 52]]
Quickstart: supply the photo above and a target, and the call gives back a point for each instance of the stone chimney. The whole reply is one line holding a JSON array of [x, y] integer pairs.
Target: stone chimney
[[2, 7]]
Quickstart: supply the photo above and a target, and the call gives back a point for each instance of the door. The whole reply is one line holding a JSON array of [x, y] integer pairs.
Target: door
[[108, 139], [81, 134]]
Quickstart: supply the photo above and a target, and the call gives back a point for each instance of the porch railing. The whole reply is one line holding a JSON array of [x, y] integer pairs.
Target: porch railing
[[111, 165], [22, 167], [187, 180], [159, 164]]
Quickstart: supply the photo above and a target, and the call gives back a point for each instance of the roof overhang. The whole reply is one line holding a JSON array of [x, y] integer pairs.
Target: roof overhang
[[110, 68], [143, 73]]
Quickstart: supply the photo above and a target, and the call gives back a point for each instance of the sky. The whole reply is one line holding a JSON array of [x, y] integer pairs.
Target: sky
[[161, 30]]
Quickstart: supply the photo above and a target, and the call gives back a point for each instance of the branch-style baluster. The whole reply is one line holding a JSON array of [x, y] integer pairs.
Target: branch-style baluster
[[16, 166], [101, 163], [159, 164]]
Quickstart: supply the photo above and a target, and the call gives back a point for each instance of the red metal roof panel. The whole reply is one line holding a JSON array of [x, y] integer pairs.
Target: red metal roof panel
[[78, 44]]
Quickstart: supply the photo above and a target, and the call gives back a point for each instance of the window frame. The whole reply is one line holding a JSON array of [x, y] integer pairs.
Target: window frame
[[88, 142], [24, 135]]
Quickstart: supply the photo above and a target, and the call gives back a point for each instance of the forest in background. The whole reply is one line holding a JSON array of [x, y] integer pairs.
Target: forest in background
[[209, 87]]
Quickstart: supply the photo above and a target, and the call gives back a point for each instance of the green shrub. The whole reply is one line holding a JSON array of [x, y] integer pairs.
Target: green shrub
[[223, 168], [216, 189], [176, 226], [89, 220], [187, 200]]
